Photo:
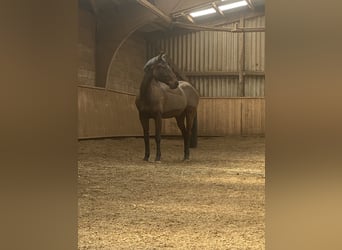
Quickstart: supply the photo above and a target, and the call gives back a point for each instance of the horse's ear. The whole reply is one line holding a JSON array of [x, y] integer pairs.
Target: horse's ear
[[162, 56]]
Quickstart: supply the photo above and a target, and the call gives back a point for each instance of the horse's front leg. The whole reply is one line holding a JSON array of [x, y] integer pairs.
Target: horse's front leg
[[158, 125], [145, 125]]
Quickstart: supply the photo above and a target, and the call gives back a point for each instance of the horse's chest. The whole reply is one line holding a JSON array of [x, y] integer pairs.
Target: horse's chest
[[162, 101], [149, 107]]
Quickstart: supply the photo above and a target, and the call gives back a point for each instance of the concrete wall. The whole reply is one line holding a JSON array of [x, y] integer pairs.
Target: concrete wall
[[86, 48]]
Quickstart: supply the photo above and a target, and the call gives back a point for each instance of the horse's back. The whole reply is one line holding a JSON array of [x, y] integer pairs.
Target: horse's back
[[191, 93]]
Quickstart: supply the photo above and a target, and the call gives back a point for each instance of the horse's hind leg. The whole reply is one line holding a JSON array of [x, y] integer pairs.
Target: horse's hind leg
[[158, 125], [145, 125], [181, 125], [190, 114], [193, 138]]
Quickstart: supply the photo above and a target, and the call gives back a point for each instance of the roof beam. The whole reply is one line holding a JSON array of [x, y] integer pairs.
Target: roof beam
[[250, 4], [211, 28], [235, 17], [188, 17], [155, 10], [217, 9]]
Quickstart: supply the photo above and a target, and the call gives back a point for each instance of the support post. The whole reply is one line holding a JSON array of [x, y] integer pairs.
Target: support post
[[242, 58]]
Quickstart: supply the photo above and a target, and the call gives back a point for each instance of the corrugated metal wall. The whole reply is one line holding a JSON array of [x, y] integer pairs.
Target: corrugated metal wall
[[216, 86], [203, 55], [255, 57], [201, 51], [255, 45]]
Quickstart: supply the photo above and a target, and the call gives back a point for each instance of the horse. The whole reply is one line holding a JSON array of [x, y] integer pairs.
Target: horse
[[162, 96]]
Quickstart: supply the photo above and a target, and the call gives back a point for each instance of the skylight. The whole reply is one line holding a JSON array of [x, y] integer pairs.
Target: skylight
[[233, 5], [220, 8], [203, 12]]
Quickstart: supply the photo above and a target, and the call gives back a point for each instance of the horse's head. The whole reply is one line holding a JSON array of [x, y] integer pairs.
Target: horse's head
[[162, 71]]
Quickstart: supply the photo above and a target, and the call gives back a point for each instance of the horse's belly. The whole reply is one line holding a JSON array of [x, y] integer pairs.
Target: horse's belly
[[174, 106], [172, 113]]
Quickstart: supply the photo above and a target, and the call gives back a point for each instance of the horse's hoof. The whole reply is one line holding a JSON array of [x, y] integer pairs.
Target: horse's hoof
[[145, 159], [158, 161], [186, 159]]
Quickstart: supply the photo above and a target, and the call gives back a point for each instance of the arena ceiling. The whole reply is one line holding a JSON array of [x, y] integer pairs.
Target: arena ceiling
[[180, 13], [117, 20]]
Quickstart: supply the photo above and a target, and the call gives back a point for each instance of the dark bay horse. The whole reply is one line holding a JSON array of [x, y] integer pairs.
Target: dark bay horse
[[163, 96]]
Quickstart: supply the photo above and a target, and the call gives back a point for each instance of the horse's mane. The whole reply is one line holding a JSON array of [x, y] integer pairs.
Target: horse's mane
[[153, 60], [174, 68], [148, 73], [150, 63]]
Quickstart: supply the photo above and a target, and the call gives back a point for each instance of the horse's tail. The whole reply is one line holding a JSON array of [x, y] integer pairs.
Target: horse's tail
[[193, 139]]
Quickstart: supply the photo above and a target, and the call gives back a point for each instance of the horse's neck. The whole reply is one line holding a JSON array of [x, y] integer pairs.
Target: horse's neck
[[146, 86]]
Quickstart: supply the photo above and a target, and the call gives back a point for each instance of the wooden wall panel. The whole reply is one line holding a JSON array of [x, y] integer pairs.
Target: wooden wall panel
[[170, 127], [108, 113], [253, 116], [219, 116]]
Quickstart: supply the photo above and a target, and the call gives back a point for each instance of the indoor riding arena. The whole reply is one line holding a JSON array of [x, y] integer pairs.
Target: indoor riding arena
[[216, 198]]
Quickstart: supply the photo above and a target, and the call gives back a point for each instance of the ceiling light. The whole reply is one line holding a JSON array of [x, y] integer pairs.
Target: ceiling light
[[203, 12], [233, 5]]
